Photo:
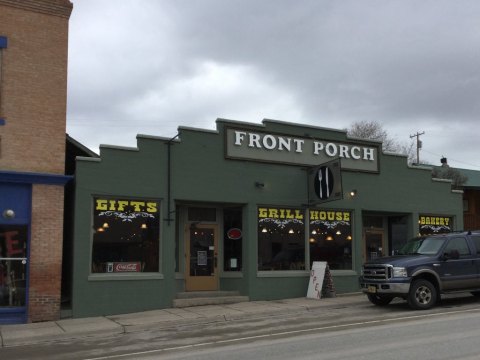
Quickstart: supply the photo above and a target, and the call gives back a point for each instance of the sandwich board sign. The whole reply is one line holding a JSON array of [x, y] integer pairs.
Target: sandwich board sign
[[317, 274]]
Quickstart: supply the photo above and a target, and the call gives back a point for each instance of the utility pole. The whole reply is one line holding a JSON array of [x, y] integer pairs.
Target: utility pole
[[419, 144]]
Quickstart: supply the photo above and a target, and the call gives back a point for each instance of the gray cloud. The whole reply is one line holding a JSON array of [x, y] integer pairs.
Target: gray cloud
[[151, 66]]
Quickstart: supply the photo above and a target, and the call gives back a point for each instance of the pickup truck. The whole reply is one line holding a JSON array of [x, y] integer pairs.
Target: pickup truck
[[425, 268]]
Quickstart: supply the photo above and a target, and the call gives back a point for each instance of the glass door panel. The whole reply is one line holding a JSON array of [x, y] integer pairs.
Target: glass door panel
[[201, 265], [374, 244], [13, 266]]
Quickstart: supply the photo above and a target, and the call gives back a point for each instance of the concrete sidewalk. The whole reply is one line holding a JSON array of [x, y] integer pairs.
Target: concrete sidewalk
[[107, 326]]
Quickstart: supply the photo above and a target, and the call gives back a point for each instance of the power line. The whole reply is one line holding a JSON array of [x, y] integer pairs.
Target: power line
[[452, 159]]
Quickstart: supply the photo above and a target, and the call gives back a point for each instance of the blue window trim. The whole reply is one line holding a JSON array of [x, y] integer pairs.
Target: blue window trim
[[2, 121], [3, 42], [34, 178]]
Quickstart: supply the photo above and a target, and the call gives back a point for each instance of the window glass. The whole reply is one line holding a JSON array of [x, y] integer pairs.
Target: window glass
[[126, 235], [432, 224], [476, 241], [330, 238], [281, 239], [232, 239], [13, 252], [422, 246], [459, 244], [202, 214], [373, 222]]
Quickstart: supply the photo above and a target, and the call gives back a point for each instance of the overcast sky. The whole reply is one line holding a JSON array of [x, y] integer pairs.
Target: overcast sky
[[150, 66]]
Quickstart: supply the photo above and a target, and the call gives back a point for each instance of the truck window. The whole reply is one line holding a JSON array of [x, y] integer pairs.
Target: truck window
[[476, 242], [459, 244]]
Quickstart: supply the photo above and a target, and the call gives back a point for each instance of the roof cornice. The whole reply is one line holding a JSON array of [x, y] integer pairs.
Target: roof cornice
[[62, 8]]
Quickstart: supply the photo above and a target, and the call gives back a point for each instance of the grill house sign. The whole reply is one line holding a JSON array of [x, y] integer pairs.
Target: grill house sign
[[267, 147]]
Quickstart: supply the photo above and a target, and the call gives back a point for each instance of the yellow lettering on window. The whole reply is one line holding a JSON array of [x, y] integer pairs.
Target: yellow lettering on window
[[152, 207], [101, 205], [262, 212]]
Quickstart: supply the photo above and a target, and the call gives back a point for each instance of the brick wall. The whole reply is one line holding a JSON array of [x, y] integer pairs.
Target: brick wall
[[46, 253], [33, 99], [33, 90]]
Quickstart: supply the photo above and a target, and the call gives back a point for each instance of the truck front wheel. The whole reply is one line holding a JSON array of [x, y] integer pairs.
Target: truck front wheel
[[380, 300], [422, 295]]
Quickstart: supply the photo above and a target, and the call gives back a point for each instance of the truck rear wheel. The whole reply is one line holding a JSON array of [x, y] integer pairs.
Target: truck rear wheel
[[380, 300], [422, 295]]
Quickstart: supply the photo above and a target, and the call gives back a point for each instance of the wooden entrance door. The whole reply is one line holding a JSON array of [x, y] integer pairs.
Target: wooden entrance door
[[201, 265]]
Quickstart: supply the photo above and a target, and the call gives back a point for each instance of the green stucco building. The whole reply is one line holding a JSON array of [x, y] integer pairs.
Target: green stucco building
[[247, 207]]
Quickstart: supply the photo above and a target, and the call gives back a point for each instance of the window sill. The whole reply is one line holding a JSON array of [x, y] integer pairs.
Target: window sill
[[343, 273], [283, 273], [130, 276], [231, 275]]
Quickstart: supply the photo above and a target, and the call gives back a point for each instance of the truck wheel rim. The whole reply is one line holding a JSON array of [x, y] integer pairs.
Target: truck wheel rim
[[423, 295]]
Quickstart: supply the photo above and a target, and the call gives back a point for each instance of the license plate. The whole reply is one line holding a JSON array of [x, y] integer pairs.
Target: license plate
[[371, 289]]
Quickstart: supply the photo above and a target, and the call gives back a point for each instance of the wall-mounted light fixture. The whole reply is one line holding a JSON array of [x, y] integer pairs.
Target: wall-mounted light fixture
[[353, 193], [9, 214], [259, 184]]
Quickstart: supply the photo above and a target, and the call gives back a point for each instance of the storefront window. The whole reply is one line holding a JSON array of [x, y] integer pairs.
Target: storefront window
[[232, 239], [126, 235], [431, 224], [281, 239], [330, 238], [13, 252]]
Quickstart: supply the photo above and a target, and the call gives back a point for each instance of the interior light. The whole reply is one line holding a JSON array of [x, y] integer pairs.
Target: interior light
[[353, 193], [144, 226], [312, 240], [329, 238], [349, 237], [105, 225], [290, 231], [100, 229], [314, 232], [339, 232], [264, 230]]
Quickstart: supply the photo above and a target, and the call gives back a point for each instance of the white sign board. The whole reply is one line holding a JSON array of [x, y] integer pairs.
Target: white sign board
[[316, 279]]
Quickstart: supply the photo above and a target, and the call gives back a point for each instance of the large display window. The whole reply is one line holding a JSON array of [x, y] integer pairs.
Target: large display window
[[125, 235], [13, 260], [330, 238], [281, 239], [434, 224], [232, 239]]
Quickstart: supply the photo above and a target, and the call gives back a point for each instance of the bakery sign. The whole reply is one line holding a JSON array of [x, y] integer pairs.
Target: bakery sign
[[268, 147], [429, 224]]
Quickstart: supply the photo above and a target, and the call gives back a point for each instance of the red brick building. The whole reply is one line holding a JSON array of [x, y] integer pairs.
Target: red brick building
[[33, 93]]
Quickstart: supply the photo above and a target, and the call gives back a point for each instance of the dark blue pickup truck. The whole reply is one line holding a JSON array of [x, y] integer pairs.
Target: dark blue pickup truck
[[425, 268]]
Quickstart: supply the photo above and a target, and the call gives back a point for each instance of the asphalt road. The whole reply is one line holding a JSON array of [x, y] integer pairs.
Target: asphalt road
[[449, 331], [443, 336]]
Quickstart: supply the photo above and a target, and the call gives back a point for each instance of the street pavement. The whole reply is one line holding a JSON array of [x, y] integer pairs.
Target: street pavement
[[108, 326]]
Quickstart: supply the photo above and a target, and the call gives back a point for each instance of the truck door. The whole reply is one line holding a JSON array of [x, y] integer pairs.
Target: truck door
[[476, 241], [461, 272]]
